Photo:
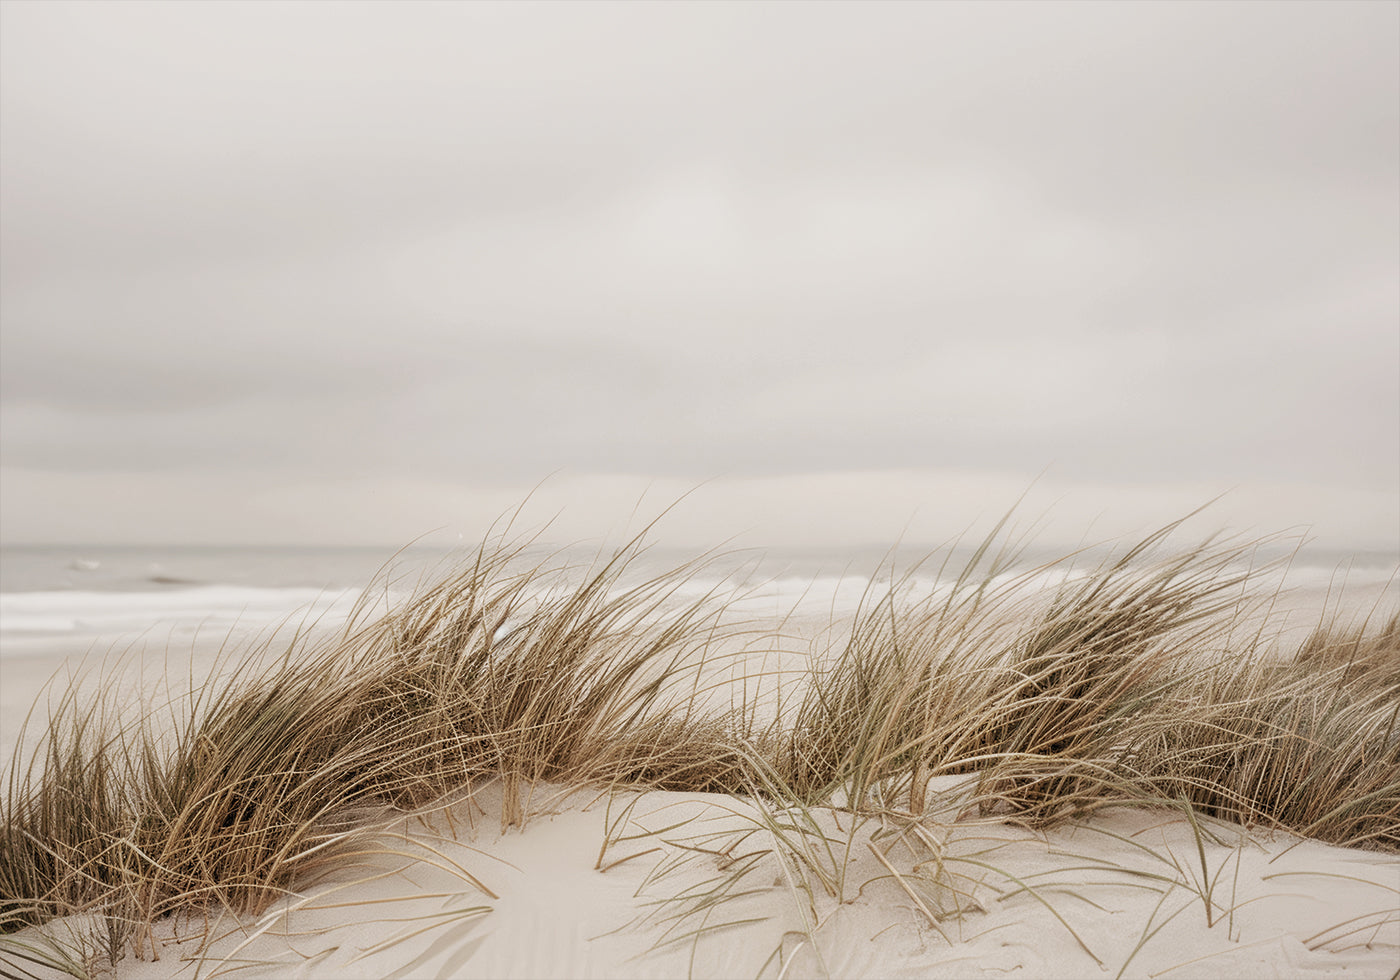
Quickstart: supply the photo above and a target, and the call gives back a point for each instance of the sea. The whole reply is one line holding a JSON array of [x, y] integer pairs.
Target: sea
[[53, 591], [69, 614]]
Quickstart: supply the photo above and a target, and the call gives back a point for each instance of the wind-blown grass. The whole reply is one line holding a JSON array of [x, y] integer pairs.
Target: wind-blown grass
[[275, 770], [1131, 682]]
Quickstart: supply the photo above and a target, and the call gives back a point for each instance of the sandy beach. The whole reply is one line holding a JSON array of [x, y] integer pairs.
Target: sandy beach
[[647, 885]]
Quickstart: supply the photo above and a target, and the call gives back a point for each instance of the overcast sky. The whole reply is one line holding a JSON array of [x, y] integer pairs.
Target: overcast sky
[[325, 272]]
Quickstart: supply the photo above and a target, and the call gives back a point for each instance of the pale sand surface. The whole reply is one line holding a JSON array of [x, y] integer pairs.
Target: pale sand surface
[[449, 893], [1121, 894]]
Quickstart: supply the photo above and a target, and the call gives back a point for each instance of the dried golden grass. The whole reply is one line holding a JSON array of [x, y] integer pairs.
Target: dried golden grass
[[496, 671], [1284, 745], [1371, 656], [1133, 682]]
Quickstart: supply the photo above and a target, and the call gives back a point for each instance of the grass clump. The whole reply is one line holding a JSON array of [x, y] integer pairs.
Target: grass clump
[[501, 670], [1282, 745], [1039, 696], [65, 815]]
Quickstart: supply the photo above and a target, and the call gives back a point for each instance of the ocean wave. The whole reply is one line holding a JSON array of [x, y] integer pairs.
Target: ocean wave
[[101, 612], [75, 612]]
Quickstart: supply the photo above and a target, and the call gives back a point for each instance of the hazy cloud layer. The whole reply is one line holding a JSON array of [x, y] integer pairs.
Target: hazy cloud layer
[[457, 247]]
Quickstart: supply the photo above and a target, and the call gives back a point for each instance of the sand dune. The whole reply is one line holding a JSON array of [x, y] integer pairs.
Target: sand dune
[[977, 781], [1135, 893]]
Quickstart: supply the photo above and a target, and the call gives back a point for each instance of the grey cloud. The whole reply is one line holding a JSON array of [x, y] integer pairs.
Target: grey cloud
[[477, 242], [192, 130], [516, 410]]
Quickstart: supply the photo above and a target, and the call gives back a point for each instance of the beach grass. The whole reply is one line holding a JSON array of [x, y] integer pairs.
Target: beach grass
[[1147, 679]]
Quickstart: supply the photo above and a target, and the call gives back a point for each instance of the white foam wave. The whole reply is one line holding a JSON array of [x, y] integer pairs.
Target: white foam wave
[[59, 613], [102, 612]]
